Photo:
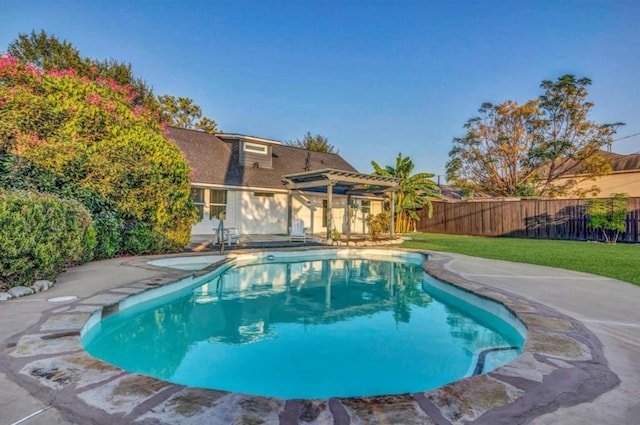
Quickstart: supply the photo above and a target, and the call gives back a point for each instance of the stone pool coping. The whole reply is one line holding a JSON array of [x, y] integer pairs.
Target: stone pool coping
[[562, 364]]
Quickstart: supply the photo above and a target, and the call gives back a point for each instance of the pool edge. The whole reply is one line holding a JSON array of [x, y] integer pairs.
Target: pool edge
[[453, 403]]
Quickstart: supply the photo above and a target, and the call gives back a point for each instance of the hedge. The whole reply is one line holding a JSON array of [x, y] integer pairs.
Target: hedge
[[40, 235]]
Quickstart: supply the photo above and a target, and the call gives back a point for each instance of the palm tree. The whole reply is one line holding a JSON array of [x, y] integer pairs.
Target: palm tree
[[413, 193]]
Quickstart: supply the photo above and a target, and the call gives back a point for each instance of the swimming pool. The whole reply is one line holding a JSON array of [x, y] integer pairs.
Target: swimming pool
[[309, 325], [192, 263]]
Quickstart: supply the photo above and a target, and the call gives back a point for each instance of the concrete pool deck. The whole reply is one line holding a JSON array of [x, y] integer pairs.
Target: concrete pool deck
[[580, 364]]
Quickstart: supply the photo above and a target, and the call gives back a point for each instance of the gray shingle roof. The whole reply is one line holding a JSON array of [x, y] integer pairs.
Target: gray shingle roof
[[215, 161], [618, 162], [627, 162]]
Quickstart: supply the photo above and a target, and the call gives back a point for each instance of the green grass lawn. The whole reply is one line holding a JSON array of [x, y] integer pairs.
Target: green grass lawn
[[620, 261]]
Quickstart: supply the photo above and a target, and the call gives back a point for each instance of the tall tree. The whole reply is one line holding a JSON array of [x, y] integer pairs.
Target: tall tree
[[47, 52], [182, 112], [519, 150], [316, 143], [414, 192]]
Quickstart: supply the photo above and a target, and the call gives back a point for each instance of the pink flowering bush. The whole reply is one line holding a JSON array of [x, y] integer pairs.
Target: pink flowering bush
[[82, 138]]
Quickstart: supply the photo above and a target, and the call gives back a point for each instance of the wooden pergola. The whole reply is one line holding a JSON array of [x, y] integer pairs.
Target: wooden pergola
[[348, 182]]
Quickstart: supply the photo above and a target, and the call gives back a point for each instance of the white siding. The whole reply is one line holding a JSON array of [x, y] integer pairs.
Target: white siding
[[205, 227], [233, 212], [252, 214], [308, 207], [261, 215]]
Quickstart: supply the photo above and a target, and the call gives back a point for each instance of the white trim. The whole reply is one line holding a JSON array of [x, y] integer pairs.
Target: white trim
[[259, 149], [229, 187], [243, 137], [271, 189]]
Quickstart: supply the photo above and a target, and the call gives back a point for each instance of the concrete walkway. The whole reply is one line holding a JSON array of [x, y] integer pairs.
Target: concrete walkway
[[608, 308], [19, 314]]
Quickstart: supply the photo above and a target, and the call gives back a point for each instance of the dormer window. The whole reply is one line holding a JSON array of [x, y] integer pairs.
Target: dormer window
[[252, 151], [254, 148]]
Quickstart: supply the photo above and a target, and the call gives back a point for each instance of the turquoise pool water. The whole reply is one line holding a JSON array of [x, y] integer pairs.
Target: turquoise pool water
[[307, 328]]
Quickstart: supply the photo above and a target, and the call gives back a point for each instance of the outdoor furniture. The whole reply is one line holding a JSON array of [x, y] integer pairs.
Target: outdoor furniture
[[231, 236], [297, 231], [228, 235]]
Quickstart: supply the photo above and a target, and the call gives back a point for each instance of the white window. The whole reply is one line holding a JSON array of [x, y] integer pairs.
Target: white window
[[217, 202], [252, 147], [209, 201]]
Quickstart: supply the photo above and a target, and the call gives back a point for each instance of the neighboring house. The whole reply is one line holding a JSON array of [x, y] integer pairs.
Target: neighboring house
[[242, 176], [450, 193], [624, 178]]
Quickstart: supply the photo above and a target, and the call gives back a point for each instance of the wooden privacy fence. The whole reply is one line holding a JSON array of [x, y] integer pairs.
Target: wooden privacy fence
[[525, 218]]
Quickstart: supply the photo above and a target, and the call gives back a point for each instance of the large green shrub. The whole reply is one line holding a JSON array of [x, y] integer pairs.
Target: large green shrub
[[140, 238], [109, 233], [81, 138], [40, 235]]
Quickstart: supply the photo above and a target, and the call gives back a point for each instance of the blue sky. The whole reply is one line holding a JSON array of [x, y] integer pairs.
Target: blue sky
[[374, 77]]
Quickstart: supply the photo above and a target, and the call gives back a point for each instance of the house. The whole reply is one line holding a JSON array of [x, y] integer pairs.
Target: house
[[624, 177], [259, 185]]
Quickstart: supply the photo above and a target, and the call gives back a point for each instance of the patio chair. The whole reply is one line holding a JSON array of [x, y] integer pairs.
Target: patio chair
[[231, 236], [228, 235], [297, 231]]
